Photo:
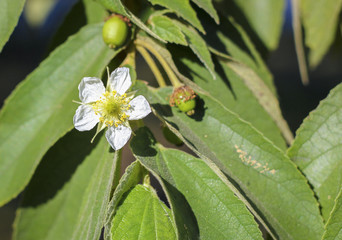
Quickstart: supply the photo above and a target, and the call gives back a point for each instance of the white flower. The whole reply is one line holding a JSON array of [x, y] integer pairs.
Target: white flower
[[110, 107]]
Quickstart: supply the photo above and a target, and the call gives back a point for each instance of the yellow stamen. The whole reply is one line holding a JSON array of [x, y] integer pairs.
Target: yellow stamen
[[112, 107]]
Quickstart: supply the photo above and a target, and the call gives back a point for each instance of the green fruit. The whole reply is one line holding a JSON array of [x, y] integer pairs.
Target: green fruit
[[115, 31], [186, 106], [171, 137]]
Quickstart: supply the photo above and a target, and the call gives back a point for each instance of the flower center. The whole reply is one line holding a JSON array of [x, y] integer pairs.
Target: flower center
[[112, 107]]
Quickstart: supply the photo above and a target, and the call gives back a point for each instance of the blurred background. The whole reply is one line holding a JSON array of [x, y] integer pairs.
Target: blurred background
[[31, 42]]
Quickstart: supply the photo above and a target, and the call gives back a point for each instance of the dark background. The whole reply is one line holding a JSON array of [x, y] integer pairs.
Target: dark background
[[28, 46]]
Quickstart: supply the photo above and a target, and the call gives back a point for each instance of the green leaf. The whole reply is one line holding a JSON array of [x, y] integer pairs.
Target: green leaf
[[181, 8], [268, 178], [333, 229], [40, 109], [231, 91], [212, 202], [320, 19], [167, 30], [10, 11], [207, 6], [94, 11], [181, 211], [198, 46], [132, 176], [118, 7], [264, 95], [141, 215], [68, 195], [232, 39], [317, 149], [265, 17]]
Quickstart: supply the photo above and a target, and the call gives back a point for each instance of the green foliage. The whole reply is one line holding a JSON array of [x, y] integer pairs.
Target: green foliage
[[240, 180], [95, 12], [198, 46], [320, 20], [10, 11], [132, 176], [216, 135], [68, 195], [209, 197], [181, 8], [317, 149], [333, 226], [231, 91], [141, 215], [265, 17], [165, 28]]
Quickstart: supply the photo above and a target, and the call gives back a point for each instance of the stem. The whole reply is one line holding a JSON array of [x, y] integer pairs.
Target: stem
[[130, 57], [173, 78], [297, 33], [117, 168], [149, 60]]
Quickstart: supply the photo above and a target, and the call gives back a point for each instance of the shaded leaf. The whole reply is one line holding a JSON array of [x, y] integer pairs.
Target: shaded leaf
[[141, 215], [320, 19], [333, 230], [317, 149], [230, 38], [263, 173], [220, 214], [10, 11], [68, 195], [198, 46], [181, 8], [40, 109], [167, 30]]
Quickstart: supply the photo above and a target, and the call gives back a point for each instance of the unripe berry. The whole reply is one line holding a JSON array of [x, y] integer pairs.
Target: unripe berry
[[184, 98], [187, 106], [171, 137], [115, 31]]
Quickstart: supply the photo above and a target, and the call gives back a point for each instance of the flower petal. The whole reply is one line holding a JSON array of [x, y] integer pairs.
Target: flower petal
[[90, 89], [118, 136], [140, 108], [85, 118], [120, 80]]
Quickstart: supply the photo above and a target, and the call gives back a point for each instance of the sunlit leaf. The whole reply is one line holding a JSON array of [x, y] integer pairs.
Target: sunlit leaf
[[141, 215], [265, 175], [317, 149], [219, 213], [132, 176], [165, 28], [333, 230]]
